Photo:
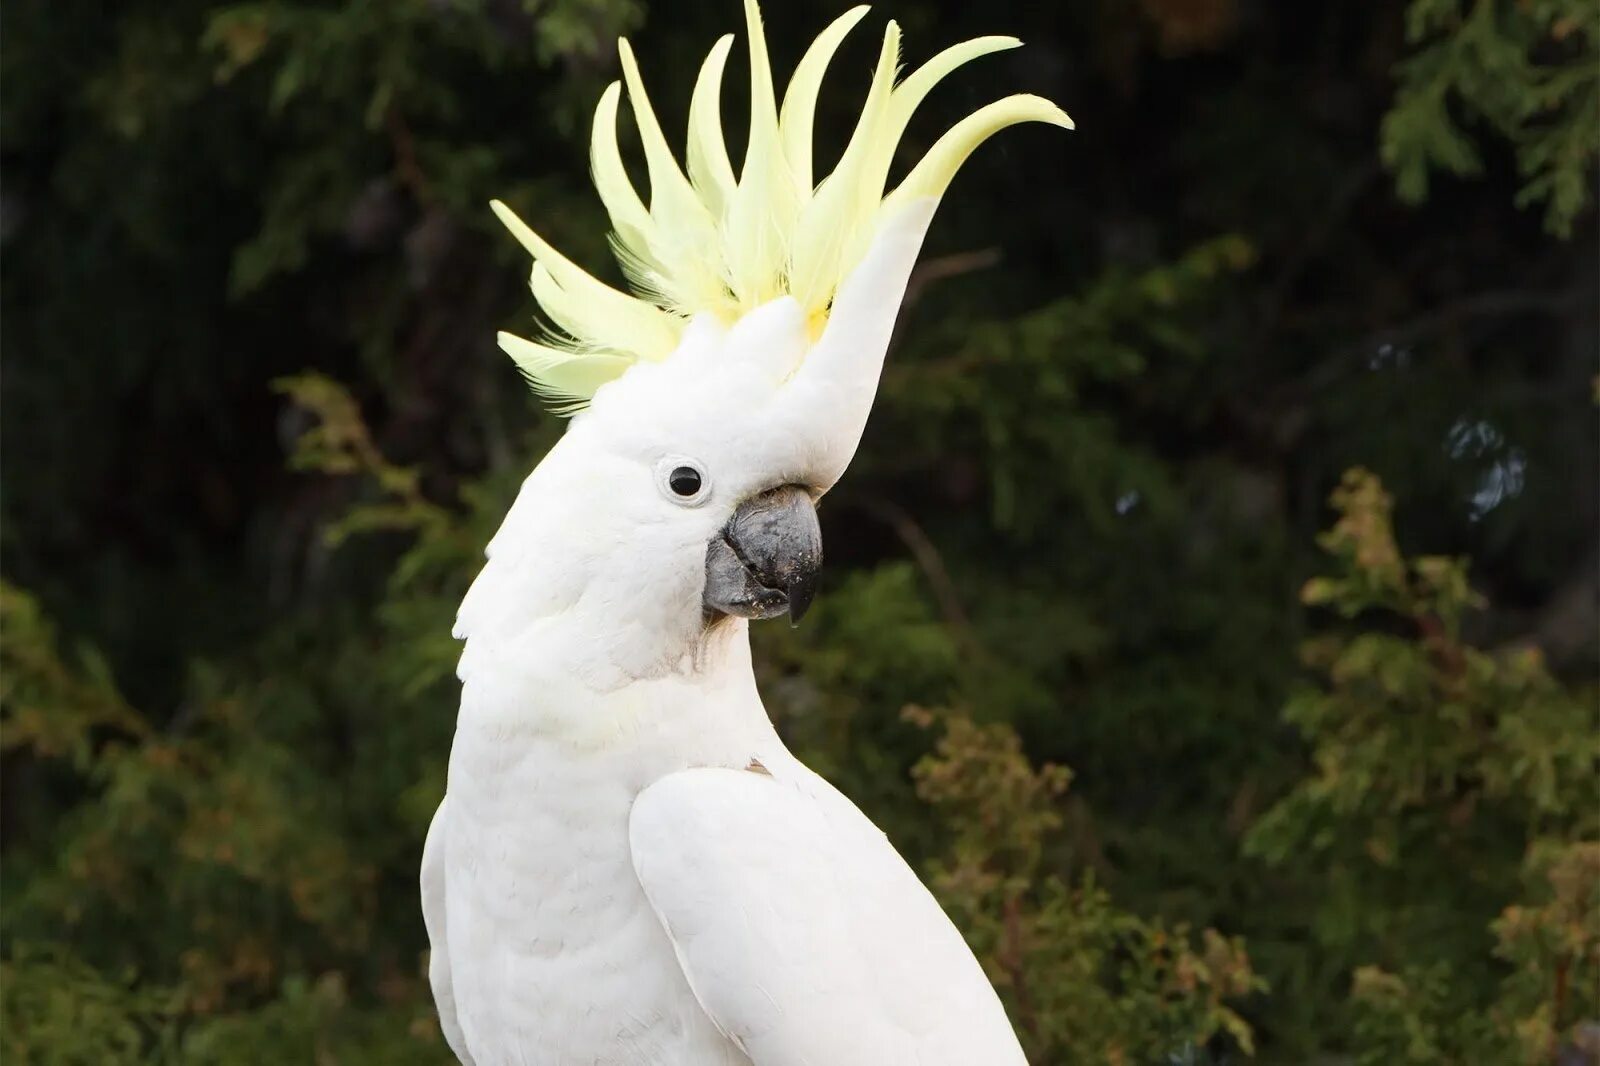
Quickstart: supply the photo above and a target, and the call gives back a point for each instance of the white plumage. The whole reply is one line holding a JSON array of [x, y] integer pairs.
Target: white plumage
[[629, 867], [713, 915]]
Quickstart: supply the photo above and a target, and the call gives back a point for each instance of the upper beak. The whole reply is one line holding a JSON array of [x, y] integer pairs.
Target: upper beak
[[767, 558]]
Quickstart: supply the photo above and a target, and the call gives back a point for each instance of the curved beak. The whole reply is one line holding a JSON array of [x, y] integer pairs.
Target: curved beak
[[765, 561]]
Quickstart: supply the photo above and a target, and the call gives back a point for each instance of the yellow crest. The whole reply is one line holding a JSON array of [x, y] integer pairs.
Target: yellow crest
[[711, 243]]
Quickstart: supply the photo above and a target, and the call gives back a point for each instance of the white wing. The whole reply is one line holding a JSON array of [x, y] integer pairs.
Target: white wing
[[433, 917], [804, 935]]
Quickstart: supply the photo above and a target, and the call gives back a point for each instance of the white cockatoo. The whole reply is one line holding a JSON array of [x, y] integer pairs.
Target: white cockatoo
[[629, 866]]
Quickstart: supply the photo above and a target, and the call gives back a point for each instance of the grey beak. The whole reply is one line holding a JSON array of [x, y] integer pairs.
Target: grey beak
[[767, 558]]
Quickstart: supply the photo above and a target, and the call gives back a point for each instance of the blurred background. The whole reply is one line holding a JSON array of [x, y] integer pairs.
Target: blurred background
[[1211, 609]]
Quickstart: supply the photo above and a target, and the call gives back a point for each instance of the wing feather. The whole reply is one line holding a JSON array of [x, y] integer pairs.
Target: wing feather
[[433, 917], [805, 936]]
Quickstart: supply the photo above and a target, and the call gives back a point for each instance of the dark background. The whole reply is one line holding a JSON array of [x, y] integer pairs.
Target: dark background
[[1285, 240]]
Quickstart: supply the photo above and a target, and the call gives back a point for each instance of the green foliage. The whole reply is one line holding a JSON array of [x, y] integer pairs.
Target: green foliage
[[340, 444], [1545, 1006], [1085, 981], [89, 1017], [1528, 70], [373, 66], [50, 708], [1132, 364], [211, 864], [1021, 381], [1433, 755]]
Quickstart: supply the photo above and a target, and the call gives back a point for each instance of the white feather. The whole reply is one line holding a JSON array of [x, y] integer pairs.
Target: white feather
[[803, 934]]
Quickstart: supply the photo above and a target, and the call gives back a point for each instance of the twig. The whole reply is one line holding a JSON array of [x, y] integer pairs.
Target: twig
[[1561, 627], [1560, 1008], [947, 266], [405, 156], [1479, 305], [1437, 640], [1353, 358], [1011, 959], [931, 563]]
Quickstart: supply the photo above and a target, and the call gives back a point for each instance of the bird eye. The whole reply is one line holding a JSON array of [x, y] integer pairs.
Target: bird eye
[[684, 480]]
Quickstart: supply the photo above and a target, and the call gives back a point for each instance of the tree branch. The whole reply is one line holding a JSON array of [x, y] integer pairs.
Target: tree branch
[[931, 563], [947, 266]]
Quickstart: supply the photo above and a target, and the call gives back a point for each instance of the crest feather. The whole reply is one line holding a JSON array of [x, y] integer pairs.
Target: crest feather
[[567, 380], [709, 170], [631, 223], [800, 98]]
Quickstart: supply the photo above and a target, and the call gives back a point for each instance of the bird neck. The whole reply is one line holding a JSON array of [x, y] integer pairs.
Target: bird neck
[[702, 711]]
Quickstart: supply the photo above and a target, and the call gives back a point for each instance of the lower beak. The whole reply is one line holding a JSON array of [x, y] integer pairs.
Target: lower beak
[[766, 559]]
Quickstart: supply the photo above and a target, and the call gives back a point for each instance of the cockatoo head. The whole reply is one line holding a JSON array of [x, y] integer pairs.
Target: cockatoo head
[[714, 405]]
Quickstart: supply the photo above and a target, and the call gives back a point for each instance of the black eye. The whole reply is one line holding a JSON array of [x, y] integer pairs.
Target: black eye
[[684, 480]]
